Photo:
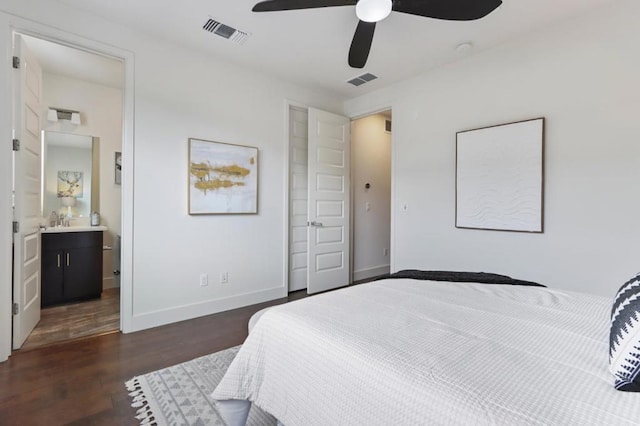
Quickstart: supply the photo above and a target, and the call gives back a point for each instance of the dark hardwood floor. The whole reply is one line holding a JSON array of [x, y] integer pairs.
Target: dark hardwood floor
[[76, 320], [82, 382]]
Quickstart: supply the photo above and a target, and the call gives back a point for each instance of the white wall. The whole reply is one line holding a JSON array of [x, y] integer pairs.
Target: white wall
[[101, 116], [583, 77], [181, 94], [371, 163], [203, 98]]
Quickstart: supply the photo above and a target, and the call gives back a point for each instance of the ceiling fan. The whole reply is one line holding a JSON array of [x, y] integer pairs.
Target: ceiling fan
[[371, 11]]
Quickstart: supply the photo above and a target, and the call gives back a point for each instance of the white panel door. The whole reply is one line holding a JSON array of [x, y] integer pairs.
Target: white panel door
[[298, 196], [328, 230], [26, 186]]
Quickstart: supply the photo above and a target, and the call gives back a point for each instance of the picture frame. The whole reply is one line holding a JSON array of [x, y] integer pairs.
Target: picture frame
[[117, 168], [222, 178], [70, 184], [500, 177]]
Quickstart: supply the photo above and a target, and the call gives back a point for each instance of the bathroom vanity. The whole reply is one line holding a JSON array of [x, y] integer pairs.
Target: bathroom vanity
[[71, 264]]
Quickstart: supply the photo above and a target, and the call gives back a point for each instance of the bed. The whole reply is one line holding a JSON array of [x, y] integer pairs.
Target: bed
[[409, 352]]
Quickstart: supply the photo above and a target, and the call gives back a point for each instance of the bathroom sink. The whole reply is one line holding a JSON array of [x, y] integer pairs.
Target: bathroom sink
[[79, 228]]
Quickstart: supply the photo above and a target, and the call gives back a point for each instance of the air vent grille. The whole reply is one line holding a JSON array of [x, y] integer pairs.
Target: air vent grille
[[225, 31], [362, 79], [387, 126]]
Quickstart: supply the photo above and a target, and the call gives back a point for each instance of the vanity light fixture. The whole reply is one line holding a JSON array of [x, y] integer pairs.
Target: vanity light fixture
[[52, 114], [55, 114]]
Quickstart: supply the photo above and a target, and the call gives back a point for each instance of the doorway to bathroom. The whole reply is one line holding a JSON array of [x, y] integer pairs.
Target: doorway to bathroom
[[80, 116]]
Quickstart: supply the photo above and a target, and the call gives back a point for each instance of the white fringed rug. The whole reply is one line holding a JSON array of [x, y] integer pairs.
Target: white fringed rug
[[179, 395]]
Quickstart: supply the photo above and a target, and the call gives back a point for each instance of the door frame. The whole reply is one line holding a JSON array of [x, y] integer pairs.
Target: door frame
[[287, 199], [8, 25]]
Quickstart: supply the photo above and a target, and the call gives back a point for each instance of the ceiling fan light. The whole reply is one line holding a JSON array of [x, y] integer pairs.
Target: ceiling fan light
[[75, 118], [373, 10]]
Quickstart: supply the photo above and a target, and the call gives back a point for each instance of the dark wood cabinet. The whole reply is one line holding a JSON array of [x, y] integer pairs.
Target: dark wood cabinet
[[71, 266]]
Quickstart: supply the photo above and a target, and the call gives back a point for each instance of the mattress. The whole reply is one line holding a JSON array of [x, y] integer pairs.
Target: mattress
[[408, 352]]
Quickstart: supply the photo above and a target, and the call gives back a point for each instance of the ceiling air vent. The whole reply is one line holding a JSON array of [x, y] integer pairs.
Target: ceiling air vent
[[364, 78], [225, 31]]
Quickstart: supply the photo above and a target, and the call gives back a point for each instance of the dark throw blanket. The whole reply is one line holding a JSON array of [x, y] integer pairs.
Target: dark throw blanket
[[460, 277]]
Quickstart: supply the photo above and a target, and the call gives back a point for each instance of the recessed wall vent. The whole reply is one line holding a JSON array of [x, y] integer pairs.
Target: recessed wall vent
[[225, 31], [387, 126], [364, 78]]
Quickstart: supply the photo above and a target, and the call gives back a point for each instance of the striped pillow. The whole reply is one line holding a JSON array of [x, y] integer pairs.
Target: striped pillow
[[624, 340]]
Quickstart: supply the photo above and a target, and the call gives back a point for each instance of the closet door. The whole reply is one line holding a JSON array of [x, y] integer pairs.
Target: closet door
[[328, 230], [298, 196]]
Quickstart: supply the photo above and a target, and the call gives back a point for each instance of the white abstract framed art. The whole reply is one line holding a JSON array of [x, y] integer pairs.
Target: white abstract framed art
[[500, 177]]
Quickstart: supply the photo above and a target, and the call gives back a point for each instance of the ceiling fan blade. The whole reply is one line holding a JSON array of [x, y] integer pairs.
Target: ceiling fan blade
[[276, 5], [361, 44], [452, 10]]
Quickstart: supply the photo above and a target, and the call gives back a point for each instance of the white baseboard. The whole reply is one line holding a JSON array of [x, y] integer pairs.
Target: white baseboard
[[108, 282], [363, 274], [208, 307]]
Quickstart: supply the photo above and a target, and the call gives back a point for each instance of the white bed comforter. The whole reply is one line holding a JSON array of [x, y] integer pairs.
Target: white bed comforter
[[407, 352]]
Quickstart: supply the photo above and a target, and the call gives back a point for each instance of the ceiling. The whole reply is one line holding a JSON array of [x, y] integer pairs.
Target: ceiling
[[310, 47]]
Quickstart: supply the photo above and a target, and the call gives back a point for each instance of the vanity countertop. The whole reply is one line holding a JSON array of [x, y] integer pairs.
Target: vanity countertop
[[80, 228]]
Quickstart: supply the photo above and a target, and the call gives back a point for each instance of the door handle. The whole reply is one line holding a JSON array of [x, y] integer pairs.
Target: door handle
[[68, 259], [314, 223], [58, 260]]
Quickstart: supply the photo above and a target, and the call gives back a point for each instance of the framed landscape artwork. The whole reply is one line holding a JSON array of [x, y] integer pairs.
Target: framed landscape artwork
[[499, 177], [223, 178]]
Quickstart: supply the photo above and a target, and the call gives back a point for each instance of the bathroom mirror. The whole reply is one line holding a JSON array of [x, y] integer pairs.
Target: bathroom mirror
[[70, 174]]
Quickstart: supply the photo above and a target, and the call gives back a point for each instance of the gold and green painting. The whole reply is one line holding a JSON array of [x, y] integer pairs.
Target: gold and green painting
[[223, 178]]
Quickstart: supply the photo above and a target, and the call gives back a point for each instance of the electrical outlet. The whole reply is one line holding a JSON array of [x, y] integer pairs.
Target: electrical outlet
[[204, 280], [385, 252], [224, 278]]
